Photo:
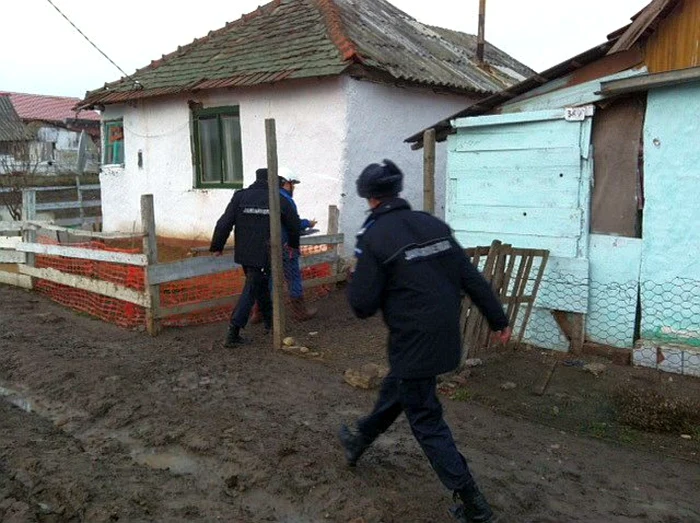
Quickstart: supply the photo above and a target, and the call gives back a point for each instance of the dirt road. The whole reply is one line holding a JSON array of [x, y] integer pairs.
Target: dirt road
[[111, 425]]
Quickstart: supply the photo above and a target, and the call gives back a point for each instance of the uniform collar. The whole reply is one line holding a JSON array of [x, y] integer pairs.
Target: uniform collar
[[390, 205]]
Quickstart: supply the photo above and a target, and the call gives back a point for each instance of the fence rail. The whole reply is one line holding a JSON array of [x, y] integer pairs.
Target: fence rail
[[18, 245]]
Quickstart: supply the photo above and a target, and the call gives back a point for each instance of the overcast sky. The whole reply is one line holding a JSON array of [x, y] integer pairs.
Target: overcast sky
[[43, 54]]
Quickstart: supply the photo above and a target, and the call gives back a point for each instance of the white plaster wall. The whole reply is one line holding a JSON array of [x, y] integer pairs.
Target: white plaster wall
[[380, 118], [311, 136]]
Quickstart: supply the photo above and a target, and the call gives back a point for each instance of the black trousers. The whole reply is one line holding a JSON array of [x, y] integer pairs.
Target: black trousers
[[418, 399], [257, 288]]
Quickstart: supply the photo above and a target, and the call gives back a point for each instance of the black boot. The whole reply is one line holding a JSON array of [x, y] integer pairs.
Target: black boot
[[233, 338], [354, 444], [474, 507]]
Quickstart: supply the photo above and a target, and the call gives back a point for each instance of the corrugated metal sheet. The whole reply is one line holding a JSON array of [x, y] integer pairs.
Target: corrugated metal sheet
[[288, 39], [676, 43], [11, 127]]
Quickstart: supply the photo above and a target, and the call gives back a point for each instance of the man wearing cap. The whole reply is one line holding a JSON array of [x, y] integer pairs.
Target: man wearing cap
[[249, 212], [410, 266], [292, 271]]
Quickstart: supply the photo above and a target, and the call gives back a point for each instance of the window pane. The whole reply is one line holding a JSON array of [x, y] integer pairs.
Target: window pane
[[114, 143], [210, 150], [233, 165]]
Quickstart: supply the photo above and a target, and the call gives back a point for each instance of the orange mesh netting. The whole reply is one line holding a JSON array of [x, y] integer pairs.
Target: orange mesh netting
[[225, 287]]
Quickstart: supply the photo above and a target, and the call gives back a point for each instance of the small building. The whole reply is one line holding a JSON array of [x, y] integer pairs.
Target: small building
[[55, 131], [344, 80], [13, 135], [598, 161]]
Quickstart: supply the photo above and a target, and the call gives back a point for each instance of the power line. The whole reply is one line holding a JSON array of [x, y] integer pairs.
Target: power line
[[91, 42]]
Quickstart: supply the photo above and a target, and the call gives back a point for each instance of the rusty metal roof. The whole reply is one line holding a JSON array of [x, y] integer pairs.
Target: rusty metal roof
[[287, 39]]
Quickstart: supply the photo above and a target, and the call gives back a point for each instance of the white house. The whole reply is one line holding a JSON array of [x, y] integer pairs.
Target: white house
[[345, 81]]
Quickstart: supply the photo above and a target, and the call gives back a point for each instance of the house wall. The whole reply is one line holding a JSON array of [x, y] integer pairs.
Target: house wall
[[379, 119], [311, 136], [670, 274], [327, 132]]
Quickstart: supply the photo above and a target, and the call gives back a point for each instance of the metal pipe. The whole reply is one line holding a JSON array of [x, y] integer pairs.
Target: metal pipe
[[481, 39]]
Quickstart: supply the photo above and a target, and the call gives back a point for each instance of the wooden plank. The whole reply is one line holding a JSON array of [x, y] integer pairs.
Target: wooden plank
[[541, 388], [501, 119], [333, 229], [15, 279], [89, 187], [91, 234], [102, 288], [89, 220], [317, 259], [8, 256], [532, 136], [429, 171], [578, 330], [84, 254], [532, 221], [328, 280], [10, 242], [189, 268], [150, 248], [278, 326], [228, 301], [323, 239], [56, 206]]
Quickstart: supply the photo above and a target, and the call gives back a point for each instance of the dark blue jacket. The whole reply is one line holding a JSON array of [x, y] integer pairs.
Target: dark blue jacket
[[303, 224], [249, 212], [410, 266]]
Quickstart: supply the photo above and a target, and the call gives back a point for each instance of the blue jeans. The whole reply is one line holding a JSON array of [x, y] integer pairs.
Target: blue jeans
[[257, 288], [418, 399], [292, 273]]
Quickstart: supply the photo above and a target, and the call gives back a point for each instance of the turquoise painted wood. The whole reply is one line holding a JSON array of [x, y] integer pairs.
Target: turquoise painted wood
[[614, 286], [565, 285], [582, 94], [670, 271]]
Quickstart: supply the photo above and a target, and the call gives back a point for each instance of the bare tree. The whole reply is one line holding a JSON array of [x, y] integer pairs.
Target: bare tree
[[16, 169]]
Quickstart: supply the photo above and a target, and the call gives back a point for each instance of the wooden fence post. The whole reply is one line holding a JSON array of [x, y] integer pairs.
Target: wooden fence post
[[429, 171], [334, 228], [29, 214], [278, 326], [150, 249], [81, 209]]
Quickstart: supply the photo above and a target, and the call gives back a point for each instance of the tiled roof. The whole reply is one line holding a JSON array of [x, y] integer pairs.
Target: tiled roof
[[288, 39], [48, 108], [11, 127]]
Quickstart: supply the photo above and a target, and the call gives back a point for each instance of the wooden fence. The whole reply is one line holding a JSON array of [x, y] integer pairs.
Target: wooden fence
[[19, 246], [58, 199]]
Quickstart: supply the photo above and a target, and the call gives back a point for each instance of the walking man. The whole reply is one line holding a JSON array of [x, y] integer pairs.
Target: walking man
[[410, 266], [249, 212]]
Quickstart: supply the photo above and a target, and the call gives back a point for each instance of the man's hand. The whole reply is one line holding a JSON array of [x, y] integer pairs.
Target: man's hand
[[502, 337], [312, 223]]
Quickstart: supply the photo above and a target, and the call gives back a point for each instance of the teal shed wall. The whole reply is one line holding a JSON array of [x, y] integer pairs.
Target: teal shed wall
[[670, 272]]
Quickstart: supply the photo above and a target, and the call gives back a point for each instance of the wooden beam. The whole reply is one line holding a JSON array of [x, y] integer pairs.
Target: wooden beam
[[10, 256], [190, 268], [318, 259], [28, 214], [429, 171], [150, 248], [15, 279], [84, 254], [55, 206], [90, 234], [324, 239], [103, 288], [278, 327]]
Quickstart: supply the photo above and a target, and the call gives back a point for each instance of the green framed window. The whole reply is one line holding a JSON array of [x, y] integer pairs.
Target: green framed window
[[217, 147], [113, 142]]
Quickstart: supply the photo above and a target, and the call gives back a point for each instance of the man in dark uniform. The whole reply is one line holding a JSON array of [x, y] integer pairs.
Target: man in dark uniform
[[410, 266], [249, 212]]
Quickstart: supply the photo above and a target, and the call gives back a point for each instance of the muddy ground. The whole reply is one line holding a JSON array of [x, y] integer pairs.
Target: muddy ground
[[104, 424]]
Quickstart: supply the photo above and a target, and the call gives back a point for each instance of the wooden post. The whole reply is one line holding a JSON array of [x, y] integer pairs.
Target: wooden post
[[334, 228], [28, 214], [150, 249], [429, 171], [481, 35], [81, 209], [278, 326]]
